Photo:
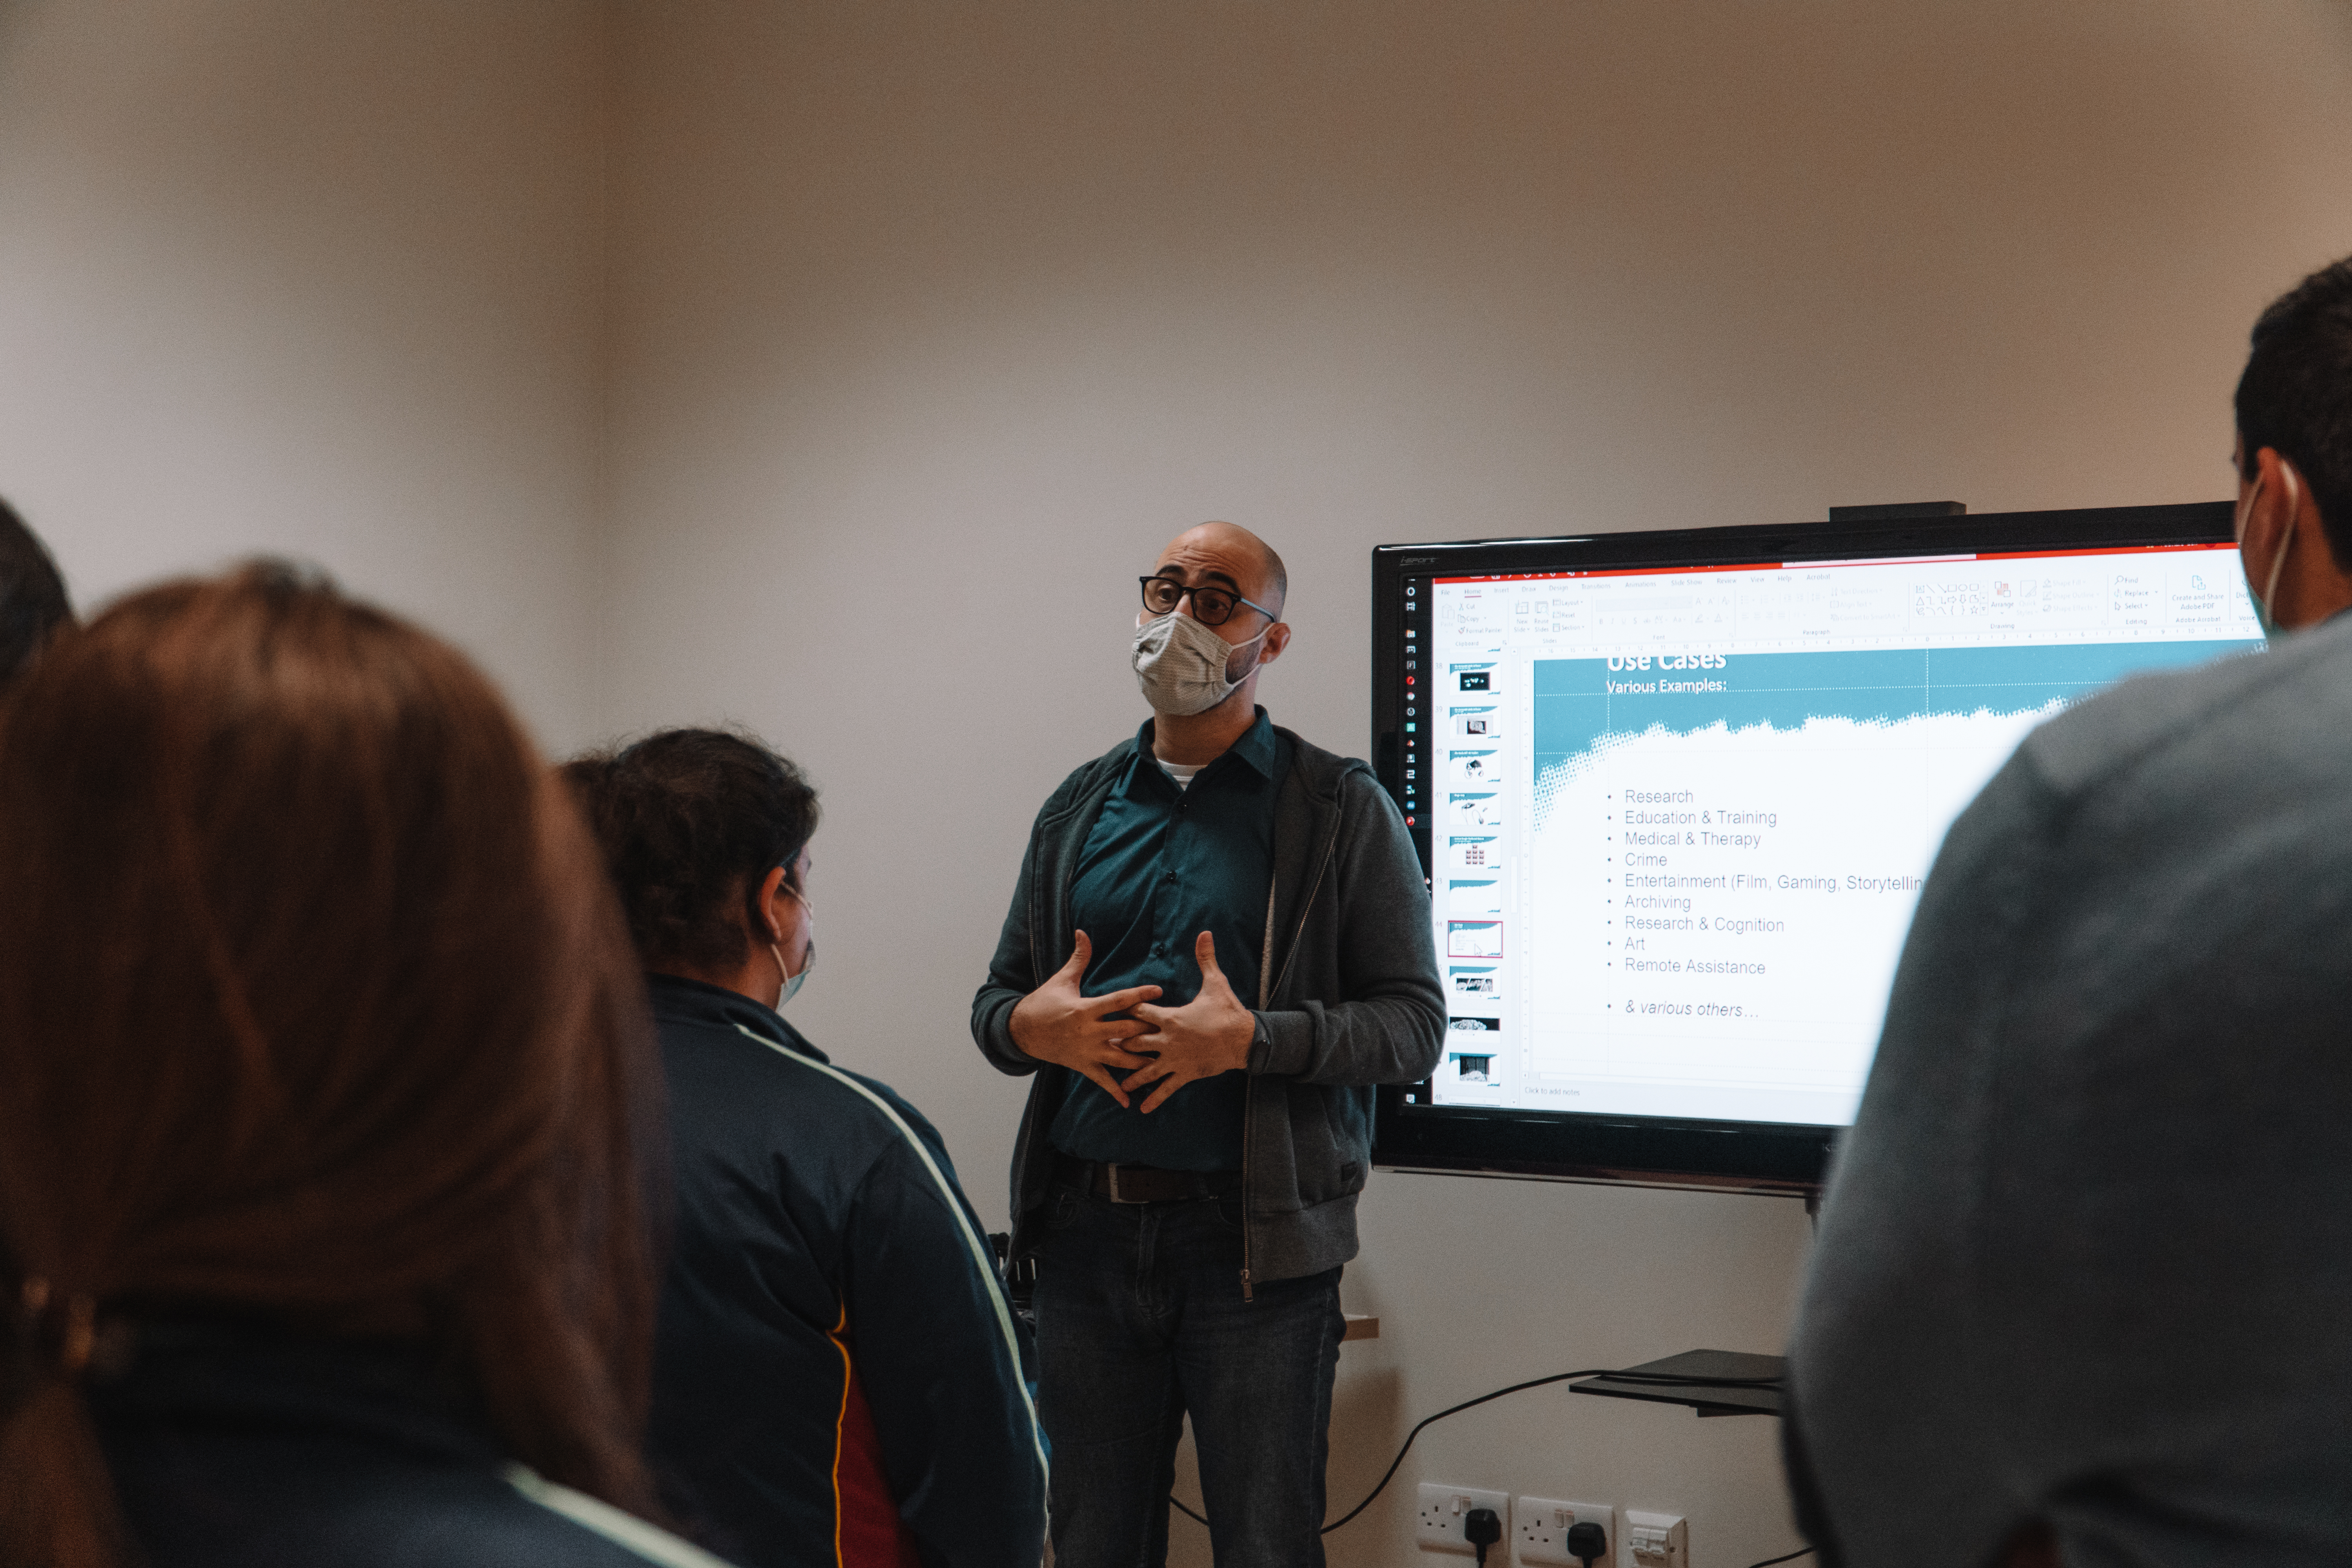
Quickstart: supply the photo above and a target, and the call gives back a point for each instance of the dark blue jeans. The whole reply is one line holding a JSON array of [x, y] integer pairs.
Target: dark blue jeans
[[1140, 1322]]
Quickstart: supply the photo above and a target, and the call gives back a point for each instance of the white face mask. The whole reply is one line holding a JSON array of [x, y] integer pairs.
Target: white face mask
[[808, 959], [1181, 664], [2269, 596]]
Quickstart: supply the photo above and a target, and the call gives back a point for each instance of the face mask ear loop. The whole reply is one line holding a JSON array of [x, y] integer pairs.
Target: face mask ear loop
[[2278, 566], [2269, 605], [787, 982], [783, 975], [2286, 542], [1238, 646]]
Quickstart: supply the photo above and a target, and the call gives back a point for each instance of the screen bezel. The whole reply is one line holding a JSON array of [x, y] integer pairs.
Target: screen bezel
[[1750, 1156]]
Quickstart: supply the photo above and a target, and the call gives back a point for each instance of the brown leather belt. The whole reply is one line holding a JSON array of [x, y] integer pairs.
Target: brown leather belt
[[1145, 1183]]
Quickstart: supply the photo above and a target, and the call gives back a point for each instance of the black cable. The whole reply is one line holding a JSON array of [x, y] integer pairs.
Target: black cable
[[1646, 1379], [1657, 1381], [1649, 1379], [1791, 1557], [1390, 1473]]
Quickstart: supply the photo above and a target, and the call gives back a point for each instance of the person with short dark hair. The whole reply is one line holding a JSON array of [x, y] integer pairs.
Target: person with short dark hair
[[2084, 1265], [2293, 453], [839, 1379], [326, 1108], [33, 603]]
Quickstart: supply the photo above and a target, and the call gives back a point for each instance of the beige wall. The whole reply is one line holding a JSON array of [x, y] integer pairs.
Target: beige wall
[[932, 322], [321, 279], [927, 322]]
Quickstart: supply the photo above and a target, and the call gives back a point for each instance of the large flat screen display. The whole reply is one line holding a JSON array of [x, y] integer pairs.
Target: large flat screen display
[[1676, 795]]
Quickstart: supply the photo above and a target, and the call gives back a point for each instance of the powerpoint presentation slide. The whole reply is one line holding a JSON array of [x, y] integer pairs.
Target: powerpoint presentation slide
[[1773, 820], [1474, 854], [1475, 678], [1475, 810], [1472, 1025], [1477, 723], [1475, 767], [1473, 939], [1473, 1066], [1473, 898], [1472, 988]]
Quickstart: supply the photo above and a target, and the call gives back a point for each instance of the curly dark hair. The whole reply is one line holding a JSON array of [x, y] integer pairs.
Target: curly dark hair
[[2296, 396], [690, 821]]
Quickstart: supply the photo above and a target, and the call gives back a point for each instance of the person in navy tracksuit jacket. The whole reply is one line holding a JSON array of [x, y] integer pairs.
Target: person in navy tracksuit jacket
[[839, 1379]]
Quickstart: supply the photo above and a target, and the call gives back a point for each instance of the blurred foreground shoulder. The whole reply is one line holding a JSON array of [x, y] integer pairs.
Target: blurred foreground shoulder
[[2214, 713]]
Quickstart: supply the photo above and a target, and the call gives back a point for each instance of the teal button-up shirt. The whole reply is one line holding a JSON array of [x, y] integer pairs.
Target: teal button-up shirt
[[1164, 863]]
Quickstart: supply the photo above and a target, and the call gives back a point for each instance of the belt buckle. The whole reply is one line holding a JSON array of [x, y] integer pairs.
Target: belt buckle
[[1111, 1168]]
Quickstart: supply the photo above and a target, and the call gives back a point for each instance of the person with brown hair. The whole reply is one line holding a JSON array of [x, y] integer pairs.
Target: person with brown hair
[[325, 1104]]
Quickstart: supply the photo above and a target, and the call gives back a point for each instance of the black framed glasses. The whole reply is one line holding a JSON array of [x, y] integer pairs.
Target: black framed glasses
[[1211, 606]]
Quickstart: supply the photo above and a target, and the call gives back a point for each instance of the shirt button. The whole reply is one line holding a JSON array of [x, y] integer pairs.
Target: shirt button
[[1170, 877]]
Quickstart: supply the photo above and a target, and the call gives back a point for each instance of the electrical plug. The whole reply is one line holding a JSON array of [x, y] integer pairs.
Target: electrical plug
[[1587, 1542], [1481, 1527]]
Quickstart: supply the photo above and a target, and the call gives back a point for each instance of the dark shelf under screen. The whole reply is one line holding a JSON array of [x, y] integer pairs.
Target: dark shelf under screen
[[1731, 1397]]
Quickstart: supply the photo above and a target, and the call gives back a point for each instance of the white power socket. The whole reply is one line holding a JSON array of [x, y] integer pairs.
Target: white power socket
[[1438, 1525], [1656, 1540], [1543, 1529]]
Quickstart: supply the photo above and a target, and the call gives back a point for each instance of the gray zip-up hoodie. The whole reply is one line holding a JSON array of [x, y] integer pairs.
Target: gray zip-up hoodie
[[1351, 999]]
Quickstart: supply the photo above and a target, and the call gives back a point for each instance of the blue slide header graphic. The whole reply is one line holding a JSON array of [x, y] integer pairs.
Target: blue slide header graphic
[[1581, 702]]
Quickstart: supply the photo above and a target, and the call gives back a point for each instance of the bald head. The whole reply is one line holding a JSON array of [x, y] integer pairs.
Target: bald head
[[1222, 562], [1230, 550]]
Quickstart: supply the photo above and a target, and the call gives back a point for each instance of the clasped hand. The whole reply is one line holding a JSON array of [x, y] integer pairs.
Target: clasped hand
[[1170, 1047]]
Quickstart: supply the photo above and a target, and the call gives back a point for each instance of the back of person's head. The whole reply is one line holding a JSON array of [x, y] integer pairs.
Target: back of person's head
[[33, 603], [2295, 394], [316, 1011], [690, 822]]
